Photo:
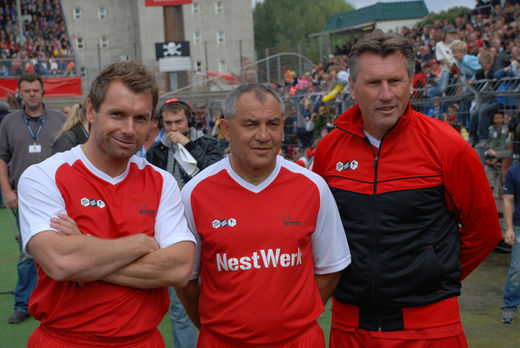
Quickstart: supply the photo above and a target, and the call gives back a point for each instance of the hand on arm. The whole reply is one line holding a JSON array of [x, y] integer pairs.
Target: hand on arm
[[65, 226], [189, 296], [326, 284]]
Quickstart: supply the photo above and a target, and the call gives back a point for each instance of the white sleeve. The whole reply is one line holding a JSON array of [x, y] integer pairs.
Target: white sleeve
[[330, 251], [38, 201], [309, 126], [188, 213], [170, 224]]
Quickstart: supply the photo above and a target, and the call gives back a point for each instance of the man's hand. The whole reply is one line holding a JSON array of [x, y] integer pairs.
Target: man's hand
[[509, 238], [65, 225], [490, 153], [177, 138], [10, 198]]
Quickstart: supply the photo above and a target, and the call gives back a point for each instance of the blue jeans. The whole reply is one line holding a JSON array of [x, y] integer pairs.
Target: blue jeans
[[27, 277], [485, 116], [512, 288], [183, 330], [432, 92]]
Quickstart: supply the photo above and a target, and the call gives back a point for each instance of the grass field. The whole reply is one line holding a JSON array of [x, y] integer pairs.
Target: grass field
[[480, 302]]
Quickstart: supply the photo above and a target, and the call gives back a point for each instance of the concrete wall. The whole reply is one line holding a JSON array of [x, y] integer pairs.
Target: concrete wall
[[130, 27], [236, 22]]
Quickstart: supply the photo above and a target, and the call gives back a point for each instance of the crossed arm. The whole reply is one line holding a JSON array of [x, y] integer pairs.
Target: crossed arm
[[132, 261]]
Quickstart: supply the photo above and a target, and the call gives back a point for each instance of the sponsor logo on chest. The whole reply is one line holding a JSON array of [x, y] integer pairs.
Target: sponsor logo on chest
[[91, 202], [223, 223], [259, 259], [348, 165]]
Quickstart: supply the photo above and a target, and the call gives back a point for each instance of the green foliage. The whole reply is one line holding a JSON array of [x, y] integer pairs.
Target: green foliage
[[287, 23], [450, 15]]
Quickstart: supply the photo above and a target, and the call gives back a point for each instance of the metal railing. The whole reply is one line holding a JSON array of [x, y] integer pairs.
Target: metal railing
[[13, 68]]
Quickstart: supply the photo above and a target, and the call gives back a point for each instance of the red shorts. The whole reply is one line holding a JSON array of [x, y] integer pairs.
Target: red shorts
[[359, 338], [312, 338], [44, 337], [431, 326]]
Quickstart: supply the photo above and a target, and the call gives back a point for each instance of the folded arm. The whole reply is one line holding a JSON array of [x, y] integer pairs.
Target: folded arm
[[162, 267], [170, 266], [86, 258]]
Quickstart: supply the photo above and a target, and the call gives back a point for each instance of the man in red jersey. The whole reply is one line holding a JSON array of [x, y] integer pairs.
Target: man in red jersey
[[271, 239], [106, 285], [418, 207]]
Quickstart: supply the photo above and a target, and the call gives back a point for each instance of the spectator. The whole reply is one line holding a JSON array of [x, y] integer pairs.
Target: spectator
[[442, 48], [155, 134], [183, 156], [512, 237], [467, 67], [75, 129], [26, 137], [499, 102], [467, 64], [498, 149]]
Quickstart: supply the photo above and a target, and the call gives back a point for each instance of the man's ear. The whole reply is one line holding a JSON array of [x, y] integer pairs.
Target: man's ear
[[351, 87], [225, 128], [90, 113]]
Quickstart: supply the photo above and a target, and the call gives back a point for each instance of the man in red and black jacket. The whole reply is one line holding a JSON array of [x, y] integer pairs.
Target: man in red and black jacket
[[415, 202]]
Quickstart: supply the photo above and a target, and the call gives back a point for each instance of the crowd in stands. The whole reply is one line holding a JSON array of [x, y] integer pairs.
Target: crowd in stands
[[42, 45]]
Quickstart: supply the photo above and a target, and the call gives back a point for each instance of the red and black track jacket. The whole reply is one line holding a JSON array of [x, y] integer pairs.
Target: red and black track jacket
[[418, 213]]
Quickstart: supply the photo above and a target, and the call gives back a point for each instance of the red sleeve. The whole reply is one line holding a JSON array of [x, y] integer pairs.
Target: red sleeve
[[469, 195], [317, 163]]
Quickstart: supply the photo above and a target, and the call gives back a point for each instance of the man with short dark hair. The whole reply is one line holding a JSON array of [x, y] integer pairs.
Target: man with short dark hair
[[180, 152], [271, 240], [26, 137], [415, 201], [105, 227]]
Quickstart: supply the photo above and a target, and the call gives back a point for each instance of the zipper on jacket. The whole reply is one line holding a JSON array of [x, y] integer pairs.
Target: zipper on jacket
[[374, 241], [374, 228], [376, 166]]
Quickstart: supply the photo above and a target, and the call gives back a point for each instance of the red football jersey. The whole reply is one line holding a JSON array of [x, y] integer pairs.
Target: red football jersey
[[142, 200], [260, 247]]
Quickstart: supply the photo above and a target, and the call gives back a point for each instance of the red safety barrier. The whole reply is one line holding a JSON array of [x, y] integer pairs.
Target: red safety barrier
[[53, 86]]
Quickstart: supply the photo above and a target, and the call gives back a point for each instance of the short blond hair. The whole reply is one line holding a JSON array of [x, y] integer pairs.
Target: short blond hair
[[459, 46]]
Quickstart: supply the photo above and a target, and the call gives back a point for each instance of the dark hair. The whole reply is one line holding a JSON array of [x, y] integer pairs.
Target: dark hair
[[230, 103], [30, 77], [382, 44], [176, 105], [132, 74]]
